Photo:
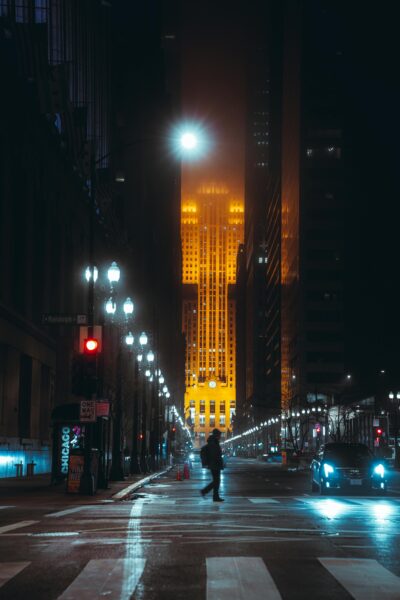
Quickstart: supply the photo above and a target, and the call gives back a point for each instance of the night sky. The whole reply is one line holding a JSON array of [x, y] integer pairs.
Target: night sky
[[213, 90]]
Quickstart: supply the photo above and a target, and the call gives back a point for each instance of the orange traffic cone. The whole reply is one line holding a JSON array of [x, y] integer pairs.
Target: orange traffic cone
[[179, 474], [186, 472]]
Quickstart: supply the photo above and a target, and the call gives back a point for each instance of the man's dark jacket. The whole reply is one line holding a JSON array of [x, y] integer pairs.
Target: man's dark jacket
[[214, 454]]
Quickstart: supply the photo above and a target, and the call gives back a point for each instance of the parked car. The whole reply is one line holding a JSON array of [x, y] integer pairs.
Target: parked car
[[349, 467]]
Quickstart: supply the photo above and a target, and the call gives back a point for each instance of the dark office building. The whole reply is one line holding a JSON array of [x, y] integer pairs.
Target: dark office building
[[313, 204], [260, 268], [66, 161]]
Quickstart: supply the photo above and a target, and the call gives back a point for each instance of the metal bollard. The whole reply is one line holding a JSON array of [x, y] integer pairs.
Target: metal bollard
[[30, 469], [18, 467]]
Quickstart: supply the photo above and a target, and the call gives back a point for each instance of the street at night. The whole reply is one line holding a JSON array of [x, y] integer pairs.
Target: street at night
[[271, 538], [199, 300]]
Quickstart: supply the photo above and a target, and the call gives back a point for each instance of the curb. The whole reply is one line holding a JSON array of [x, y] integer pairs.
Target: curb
[[138, 484]]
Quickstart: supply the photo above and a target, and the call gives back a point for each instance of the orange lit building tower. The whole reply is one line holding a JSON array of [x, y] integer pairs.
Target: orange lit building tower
[[212, 229]]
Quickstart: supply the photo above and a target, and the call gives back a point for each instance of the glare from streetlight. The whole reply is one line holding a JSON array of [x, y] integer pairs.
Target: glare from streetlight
[[129, 339], [88, 274], [143, 339], [113, 273], [111, 307], [150, 356], [128, 307], [188, 140]]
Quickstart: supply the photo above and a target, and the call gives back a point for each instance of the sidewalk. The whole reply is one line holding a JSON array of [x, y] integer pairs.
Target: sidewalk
[[39, 486]]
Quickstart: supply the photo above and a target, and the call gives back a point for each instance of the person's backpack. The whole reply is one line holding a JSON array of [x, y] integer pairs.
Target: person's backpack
[[204, 455]]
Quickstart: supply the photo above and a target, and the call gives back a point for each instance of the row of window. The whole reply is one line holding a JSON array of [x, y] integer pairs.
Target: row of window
[[211, 423]]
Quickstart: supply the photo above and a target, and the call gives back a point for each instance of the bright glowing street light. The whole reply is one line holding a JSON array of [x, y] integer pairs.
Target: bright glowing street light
[[113, 273], [143, 339], [111, 307], [188, 140], [128, 307], [129, 339], [88, 274]]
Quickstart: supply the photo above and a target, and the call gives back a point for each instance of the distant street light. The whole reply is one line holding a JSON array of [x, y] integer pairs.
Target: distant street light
[[128, 307], [188, 140], [113, 273]]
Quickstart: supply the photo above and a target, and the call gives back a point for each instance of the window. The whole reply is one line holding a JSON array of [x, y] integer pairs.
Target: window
[[212, 420], [202, 420], [212, 406], [202, 406], [222, 420]]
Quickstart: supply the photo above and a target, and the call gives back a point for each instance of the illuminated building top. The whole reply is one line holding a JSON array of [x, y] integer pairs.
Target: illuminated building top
[[212, 229]]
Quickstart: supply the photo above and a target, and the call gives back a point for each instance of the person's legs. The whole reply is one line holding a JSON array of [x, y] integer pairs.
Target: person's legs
[[216, 482]]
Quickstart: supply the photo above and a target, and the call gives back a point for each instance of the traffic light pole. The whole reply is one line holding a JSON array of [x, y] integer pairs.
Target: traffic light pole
[[87, 480], [117, 471]]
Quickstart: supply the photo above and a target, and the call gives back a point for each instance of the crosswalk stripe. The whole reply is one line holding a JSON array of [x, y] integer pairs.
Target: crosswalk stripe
[[8, 570], [67, 511], [239, 578], [113, 579], [364, 578], [6, 528], [263, 500]]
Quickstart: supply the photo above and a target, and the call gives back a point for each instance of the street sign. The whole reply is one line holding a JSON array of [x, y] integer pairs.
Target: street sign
[[103, 408], [63, 319], [87, 412]]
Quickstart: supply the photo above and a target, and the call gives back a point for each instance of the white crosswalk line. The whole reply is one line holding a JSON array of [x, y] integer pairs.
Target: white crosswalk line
[[67, 511], [115, 579], [8, 570], [6, 528], [239, 578], [263, 500], [364, 578]]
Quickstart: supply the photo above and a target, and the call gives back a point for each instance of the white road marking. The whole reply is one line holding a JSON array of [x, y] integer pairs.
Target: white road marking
[[263, 500], [239, 578], [67, 511], [1, 507], [115, 579], [8, 570], [6, 528], [364, 578]]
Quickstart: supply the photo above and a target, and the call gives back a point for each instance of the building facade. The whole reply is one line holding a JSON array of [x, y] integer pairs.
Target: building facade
[[211, 229]]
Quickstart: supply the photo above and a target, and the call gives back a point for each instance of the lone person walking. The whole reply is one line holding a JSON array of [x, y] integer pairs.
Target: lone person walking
[[214, 462]]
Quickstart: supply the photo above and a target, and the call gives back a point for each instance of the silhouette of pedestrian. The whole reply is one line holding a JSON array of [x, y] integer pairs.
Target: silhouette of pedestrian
[[215, 464]]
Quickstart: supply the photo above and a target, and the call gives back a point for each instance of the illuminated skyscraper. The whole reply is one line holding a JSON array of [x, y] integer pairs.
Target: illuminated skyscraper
[[212, 229]]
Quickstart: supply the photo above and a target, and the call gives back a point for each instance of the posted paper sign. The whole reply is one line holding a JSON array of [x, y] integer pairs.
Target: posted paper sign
[[88, 411]]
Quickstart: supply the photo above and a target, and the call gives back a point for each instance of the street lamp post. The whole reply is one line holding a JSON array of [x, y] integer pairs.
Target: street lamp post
[[148, 363], [135, 462], [117, 465], [393, 397]]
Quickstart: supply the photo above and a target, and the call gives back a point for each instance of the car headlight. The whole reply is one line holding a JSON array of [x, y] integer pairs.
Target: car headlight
[[379, 470], [328, 469], [191, 456]]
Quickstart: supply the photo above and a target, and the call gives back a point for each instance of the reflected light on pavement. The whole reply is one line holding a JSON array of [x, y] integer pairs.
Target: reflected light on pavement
[[331, 508]]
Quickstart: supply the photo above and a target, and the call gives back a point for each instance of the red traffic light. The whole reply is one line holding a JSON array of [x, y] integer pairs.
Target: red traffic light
[[91, 346], [379, 431]]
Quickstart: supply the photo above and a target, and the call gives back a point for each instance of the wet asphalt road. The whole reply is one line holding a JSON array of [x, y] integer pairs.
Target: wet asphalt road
[[272, 538]]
